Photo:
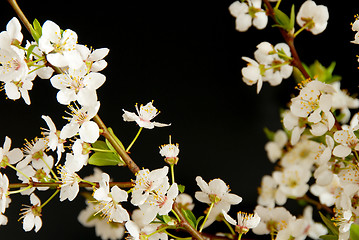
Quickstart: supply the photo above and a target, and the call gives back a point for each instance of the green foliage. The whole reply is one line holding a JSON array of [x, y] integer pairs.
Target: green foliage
[[269, 134], [36, 30], [333, 230], [323, 74], [181, 188], [282, 19], [354, 232], [104, 156], [190, 217]]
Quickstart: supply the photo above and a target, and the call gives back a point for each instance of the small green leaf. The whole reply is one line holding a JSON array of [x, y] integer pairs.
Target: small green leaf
[[292, 18], [189, 217], [328, 237], [100, 145], [282, 19], [29, 51], [270, 134], [333, 229], [298, 75], [104, 159], [181, 188], [198, 220], [36, 30], [354, 232]]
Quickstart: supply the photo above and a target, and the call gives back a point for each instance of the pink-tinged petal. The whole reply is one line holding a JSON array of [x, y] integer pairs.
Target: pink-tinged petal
[[29, 222], [14, 29], [228, 218], [15, 155], [129, 116], [59, 81], [202, 185], [118, 194], [87, 97], [38, 223], [12, 91], [66, 96], [217, 186], [69, 130], [202, 197], [99, 54], [73, 59], [94, 80], [260, 21], [341, 151], [243, 22], [57, 59], [89, 132]]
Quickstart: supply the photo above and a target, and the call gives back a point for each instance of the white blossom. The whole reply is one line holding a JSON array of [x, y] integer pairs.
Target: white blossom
[[252, 73], [31, 215], [93, 58], [248, 13], [60, 47], [314, 17], [217, 192], [144, 116], [245, 221]]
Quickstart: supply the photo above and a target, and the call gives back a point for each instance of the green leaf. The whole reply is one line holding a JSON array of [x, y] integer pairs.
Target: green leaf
[[298, 75], [270, 134], [36, 30], [29, 51], [292, 18], [198, 220], [323, 74], [328, 237], [189, 217], [332, 228], [166, 219], [181, 188], [104, 159], [100, 145], [282, 20], [354, 232]]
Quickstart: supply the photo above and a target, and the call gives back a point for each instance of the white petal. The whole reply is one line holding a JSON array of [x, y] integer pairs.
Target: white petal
[[341, 151], [228, 218], [69, 130], [89, 132]]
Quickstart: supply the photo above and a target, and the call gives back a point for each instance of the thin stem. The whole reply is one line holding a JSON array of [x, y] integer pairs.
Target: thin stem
[[19, 171], [240, 236], [134, 140], [91, 183], [205, 219], [52, 172], [172, 173], [35, 69], [178, 218], [184, 223], [126, 158], [277, 5], [21, 15], [302, 28], [50, 198], [175, 237], [20, 190], [229, 226]]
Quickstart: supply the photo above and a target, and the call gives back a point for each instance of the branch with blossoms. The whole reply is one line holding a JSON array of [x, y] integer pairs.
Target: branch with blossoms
[[315, 154]]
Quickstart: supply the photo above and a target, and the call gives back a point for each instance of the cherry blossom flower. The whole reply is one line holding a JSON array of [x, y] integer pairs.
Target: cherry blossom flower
[[80, 122], [274, 148], [16, 89], [327, 193], [347, 142], [272, 219], [69, 178], [170, 152], [341, 100], [245, 221], [4, 185], [147, 182], [252, 74], [37, 65], [293, 180], [185, 201], [110, 201], [8, 156], [31, 215], [269, 194], [314, 17], [53, 137], [35, 154], [60, 47], [78, 85], [216, 192], [103, 229], [160, 202], [93, 58], [13, 66], [146, 232], [144, 116], [248, 13]]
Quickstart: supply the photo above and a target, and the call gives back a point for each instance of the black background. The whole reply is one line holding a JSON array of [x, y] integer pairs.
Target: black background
[[186, 56]]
